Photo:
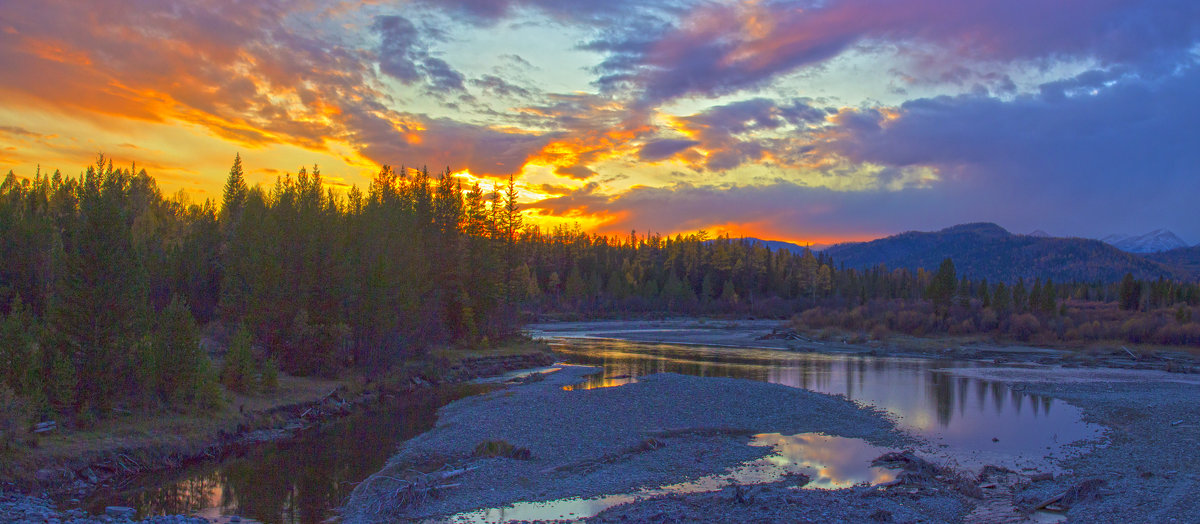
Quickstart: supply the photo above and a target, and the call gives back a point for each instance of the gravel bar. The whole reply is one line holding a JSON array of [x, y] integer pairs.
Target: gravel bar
[[587, 443]]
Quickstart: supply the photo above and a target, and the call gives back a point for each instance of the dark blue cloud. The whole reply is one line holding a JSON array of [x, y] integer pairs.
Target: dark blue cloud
[[723, 48], [661, 149], [1093, 154], [403, 55]]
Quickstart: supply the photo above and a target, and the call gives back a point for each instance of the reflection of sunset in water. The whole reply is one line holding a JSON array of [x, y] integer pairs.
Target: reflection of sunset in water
[[830, 462], [294, 481], [978, 421]]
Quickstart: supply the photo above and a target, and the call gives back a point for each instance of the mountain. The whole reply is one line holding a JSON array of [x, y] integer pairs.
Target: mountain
[[985, 250], [777, 245], [1155, 241], [1184, 259], [1039, 233]]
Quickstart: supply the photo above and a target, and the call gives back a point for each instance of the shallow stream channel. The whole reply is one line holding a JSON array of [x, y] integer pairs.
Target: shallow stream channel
[[965, 422]]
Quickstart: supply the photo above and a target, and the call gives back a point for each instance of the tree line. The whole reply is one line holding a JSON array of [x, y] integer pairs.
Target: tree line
[[108, 287]]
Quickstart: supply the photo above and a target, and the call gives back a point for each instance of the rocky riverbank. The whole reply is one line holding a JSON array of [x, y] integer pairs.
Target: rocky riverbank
[[538, 442]]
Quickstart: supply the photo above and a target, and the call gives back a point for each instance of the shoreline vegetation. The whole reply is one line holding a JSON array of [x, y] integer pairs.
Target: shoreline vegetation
[[72, 465], [125, 312]]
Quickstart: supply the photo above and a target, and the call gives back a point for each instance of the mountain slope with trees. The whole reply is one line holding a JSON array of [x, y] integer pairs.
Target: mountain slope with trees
[[988, 251]]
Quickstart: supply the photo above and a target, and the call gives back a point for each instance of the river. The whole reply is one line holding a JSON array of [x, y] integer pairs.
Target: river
[[964, 421]]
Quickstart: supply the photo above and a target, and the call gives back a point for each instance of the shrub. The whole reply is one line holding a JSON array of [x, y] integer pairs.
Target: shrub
[[1024, 326], [270, 375], [500, 448], [966, 327], [1139, 329], [988, 320]]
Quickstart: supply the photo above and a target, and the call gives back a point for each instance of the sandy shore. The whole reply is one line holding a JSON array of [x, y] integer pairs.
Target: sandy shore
[[594, 442]]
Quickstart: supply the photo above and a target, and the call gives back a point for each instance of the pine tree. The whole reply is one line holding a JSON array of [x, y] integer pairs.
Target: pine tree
[[943, 286], [234, 196], [1002, 299], [1049, 301], [18, 348], [1020, 297], [1131, 293], [182, 366]]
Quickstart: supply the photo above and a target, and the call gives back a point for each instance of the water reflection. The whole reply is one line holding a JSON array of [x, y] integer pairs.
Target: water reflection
[[974, 421], [297, 481], [829, 461]]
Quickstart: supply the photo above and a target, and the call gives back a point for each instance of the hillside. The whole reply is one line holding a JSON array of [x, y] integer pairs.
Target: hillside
[[985, 250], [1184, 259]]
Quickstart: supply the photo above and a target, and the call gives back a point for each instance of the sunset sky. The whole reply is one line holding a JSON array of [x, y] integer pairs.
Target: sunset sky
[[810, 121]]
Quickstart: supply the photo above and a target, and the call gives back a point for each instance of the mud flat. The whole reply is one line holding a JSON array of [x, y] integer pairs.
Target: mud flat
[[665, 429]]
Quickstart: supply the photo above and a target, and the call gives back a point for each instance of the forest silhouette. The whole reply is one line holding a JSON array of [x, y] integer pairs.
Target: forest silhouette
[[107, 284]]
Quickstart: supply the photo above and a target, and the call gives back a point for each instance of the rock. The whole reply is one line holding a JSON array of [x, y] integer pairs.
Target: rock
[[120, 512], [881, 515], [50, 475]]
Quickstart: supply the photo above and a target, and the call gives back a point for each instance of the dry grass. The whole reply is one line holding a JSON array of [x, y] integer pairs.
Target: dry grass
[[516, 347], [125, 431]]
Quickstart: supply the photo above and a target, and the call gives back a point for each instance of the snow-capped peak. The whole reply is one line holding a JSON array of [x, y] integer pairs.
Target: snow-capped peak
[[1152, 242]]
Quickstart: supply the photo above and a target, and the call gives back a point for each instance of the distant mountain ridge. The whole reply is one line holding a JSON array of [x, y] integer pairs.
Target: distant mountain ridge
[[776, 245], [986, 250], [1155, 241], [1184, 259]]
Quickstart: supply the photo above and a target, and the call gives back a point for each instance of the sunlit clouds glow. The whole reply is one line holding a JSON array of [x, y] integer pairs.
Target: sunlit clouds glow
[[807, 121]]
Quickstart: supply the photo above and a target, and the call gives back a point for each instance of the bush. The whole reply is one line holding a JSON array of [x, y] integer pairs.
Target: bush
[[270, 375], [500, 448], [966, 327], [1139, 329], [1022, 327]]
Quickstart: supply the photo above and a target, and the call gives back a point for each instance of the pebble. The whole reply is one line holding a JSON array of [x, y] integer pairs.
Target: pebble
[[16, 508]]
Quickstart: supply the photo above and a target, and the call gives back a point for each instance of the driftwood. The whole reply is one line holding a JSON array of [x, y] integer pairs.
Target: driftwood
[[1063, 501], [1135, 357], [42, 427], [1049, 501], [419, 488]]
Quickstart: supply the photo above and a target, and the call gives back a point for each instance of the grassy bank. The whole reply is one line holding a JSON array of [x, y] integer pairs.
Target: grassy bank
[[78, 456]]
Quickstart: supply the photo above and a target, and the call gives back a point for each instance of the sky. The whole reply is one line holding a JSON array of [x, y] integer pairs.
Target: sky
[[809, 121]]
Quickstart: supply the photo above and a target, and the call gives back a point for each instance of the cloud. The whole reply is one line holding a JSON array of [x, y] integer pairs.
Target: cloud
[[1093, 153], [662, 149], [405, 57], [1090, 155], [779, 210], [577, 172], [722, 48], [589, 11], [494, 85], [753, 130]]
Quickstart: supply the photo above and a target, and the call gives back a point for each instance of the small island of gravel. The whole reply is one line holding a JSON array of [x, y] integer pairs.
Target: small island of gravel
[[664, 429]]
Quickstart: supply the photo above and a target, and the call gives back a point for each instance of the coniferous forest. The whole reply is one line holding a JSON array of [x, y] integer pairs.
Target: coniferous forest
[[106, 283]]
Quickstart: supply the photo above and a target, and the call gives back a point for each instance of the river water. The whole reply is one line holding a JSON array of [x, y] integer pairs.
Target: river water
[[965, 421]]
